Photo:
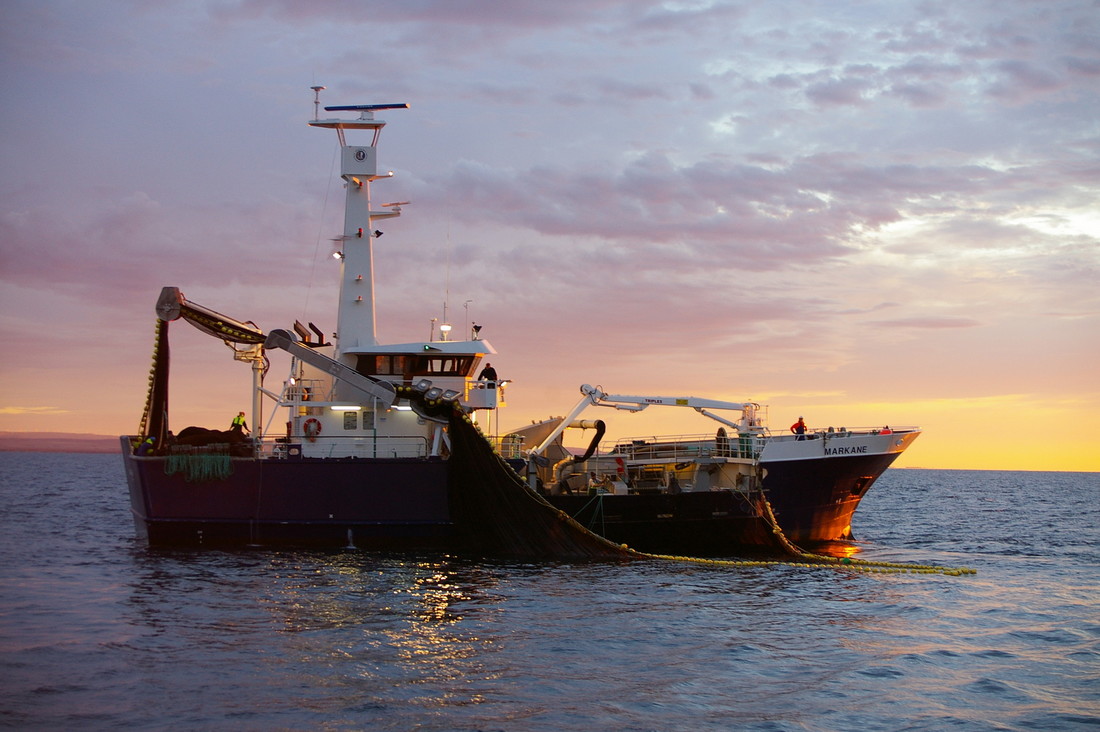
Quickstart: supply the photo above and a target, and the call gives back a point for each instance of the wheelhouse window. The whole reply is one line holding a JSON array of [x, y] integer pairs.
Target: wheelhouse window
[[410, 367]]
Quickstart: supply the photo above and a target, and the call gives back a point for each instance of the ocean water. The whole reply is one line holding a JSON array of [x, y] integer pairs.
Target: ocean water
[[98, 631]]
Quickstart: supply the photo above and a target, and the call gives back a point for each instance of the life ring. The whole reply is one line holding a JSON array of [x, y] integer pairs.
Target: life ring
[[312, 428]]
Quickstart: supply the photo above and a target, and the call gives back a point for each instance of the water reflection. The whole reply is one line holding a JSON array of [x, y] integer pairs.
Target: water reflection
[[362, 636], [838, 549], [354, 623], [102, 632]]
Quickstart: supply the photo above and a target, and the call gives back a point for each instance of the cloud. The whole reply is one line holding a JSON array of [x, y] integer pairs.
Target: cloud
[[1019, 82], [927, 322], [1084, 67], [835, 92], [123, 244], [760, 194], [34, 411]]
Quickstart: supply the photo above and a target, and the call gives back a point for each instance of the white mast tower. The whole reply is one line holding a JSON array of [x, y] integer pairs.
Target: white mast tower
[[355, 326]]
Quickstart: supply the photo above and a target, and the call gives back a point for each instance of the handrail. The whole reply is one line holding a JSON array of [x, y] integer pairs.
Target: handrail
[[683, 447], [767, 434], [746, 446], [830, 433], [416, 446]]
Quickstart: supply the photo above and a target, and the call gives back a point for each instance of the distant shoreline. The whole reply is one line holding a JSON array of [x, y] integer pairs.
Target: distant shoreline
[[57, 442]]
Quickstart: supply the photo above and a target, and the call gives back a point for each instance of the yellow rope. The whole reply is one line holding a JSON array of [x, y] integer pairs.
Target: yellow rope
[[809, 561], [816, 561], [769, 516]]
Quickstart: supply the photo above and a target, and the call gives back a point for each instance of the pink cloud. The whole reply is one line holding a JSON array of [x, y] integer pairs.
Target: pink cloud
[[1086, 67], [927, 322], [837, 92], [762, 218], [119, 245], [1020, 82]]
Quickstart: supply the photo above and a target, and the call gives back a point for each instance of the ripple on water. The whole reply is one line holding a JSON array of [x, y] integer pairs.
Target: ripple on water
[[100, 632]]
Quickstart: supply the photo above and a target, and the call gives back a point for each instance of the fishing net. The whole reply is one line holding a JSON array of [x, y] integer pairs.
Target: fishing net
[[154, 420], [494, 510], [497, 513], [199, 467]]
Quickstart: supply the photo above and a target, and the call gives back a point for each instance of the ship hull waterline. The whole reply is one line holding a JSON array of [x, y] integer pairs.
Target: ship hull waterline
[[405, 504], [334, 502], [814, 500]]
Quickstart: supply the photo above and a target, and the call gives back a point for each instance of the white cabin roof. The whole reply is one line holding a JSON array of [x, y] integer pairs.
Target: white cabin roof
[[464, 348]]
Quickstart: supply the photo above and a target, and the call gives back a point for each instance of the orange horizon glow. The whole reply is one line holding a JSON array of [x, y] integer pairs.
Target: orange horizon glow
[[865, 214], [966, 434]]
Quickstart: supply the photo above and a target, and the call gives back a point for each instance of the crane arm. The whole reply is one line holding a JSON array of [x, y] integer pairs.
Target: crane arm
[[285, 340], [594, 396], [172, 305]]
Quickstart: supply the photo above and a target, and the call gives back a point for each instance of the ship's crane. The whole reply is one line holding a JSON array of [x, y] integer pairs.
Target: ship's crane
[[595, 396], [248, 342]]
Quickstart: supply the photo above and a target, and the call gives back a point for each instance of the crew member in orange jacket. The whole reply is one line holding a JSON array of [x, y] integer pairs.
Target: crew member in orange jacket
[[799, 428]]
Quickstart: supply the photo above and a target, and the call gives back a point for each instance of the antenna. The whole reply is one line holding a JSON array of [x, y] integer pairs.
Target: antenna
[[447, 284], [317, 101]]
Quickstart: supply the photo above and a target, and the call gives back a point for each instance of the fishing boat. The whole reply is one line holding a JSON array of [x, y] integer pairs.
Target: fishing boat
[[346, 449], [373, 445], [717, 493]]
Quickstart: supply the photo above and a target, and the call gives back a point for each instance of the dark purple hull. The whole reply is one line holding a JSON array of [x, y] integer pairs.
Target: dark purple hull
[[689, 524], [370, 503], [398, 503], [814, 499]]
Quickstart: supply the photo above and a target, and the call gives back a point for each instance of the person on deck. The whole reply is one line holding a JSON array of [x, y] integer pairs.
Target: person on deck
[[239, 424], [799, 428], [489, 374]]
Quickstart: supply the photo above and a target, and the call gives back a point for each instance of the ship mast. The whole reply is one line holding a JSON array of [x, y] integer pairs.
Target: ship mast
[[355, 327]]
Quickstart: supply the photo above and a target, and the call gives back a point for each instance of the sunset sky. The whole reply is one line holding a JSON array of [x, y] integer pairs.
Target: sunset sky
[[863, 212]]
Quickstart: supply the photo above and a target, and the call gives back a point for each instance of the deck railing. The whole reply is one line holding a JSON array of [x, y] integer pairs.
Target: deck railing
[[374, 446], [689, 447], [832, 433], [744, 446]]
